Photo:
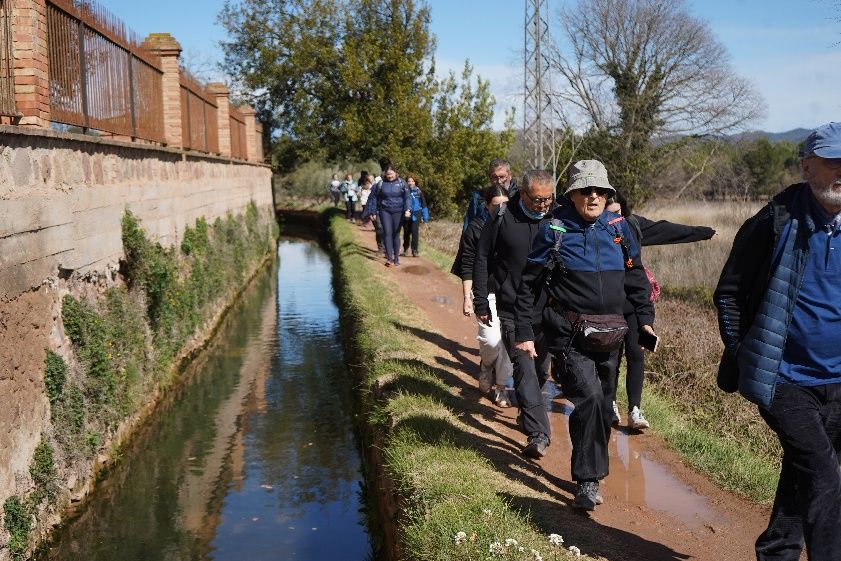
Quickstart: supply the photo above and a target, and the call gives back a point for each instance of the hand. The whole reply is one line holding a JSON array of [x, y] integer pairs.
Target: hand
[[484, 318], [648, 329], [408, 214], [527, 347], [468, 306], [373, 218]]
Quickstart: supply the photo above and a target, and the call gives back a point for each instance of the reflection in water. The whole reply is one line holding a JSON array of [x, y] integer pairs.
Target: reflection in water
[[254, 457], [634, 478]]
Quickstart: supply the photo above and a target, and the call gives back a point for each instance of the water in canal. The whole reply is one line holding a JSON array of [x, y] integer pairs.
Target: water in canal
[[254, 457]]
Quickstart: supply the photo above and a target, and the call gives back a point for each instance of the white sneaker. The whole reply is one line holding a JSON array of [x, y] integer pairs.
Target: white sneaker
[[636, 420], [616, 418]]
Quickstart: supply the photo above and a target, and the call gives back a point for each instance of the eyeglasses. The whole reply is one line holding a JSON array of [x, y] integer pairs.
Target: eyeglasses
[[540, 200], [599, 191]]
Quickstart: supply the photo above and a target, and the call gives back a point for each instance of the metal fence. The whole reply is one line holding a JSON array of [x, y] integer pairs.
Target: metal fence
[[7, 79], [199, 125], [100, 77], [239, 146]]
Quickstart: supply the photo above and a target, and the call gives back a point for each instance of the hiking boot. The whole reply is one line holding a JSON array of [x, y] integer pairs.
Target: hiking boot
[[616, 418], [403, 253], [388, 264], [416, 254], [587, 495], [536, 447], [636, 420], [500, 397]]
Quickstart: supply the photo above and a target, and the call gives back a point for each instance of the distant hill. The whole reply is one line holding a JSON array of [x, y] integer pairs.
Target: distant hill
[[794, 135]]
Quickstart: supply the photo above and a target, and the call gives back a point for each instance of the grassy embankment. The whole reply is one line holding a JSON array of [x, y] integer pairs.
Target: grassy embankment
[[720, 434], [445, 484]]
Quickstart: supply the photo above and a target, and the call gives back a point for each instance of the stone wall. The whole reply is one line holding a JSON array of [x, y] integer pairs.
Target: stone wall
[[62, 197]]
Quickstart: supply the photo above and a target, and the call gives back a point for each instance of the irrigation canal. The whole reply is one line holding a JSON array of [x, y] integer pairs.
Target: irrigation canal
[[253, 457]]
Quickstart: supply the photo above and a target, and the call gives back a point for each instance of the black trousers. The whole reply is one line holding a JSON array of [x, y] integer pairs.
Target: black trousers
[[635, 362], [588, 380], [807, 507], [411, 233], [529, 376]]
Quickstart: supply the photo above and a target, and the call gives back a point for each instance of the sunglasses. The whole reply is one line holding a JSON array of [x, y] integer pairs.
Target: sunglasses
[[540, 200], [599, 191]]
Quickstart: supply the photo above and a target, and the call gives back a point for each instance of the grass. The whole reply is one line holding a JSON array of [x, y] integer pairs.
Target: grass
[[719, 434], [444, 483]]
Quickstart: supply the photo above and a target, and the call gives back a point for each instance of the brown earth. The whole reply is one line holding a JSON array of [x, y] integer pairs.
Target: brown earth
[[656, 508]]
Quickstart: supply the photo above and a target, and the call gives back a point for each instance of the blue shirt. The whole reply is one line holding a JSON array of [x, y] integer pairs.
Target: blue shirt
[[812, 354]]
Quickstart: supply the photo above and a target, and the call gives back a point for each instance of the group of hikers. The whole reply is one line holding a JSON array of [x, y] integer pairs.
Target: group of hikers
[[559, 291], [386, 204]]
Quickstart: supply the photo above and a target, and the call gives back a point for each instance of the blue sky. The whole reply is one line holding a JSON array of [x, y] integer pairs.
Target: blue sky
[[791, 51]]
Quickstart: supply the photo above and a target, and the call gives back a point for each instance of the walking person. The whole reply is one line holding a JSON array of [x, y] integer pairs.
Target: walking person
[[420, 213], [350, 192], [504, 246], [587, 261], [779, 309], [389, 204], [646, 233], [499, 173], [365, 185], [334, 189], [495, 369]]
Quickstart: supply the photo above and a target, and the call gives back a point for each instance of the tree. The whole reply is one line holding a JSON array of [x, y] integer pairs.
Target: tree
[[634, 70]]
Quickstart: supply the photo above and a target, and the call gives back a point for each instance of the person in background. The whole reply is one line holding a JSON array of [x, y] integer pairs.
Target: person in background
[[349, 189], [334, 188], [586, 262], [494, 364], [420, 213], [365, 185], [499, 173], [779, 312], [389, 204], [646, 233], [504, 245]]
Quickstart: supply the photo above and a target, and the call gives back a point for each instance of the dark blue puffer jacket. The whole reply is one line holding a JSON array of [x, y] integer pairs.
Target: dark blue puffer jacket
[[757, 291]]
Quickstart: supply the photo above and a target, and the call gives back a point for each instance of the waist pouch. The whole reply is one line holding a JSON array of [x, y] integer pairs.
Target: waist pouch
[[601, 333]]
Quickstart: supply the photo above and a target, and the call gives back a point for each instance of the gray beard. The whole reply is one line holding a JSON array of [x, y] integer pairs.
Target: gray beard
[[827, 196]]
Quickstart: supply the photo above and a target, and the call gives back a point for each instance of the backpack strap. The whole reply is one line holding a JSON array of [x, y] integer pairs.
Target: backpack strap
[[622, 241], [554, 260]]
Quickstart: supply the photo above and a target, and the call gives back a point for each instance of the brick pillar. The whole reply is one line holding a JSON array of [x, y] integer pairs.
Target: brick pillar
[[31, 62], [223, 115], [249, 116], [169, 50]]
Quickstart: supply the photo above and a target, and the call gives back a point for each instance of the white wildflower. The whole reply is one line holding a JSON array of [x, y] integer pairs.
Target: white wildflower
[[496, 548], [535, 555], [510, 542], [556, 540], [486, 511], [521, 549], [460, 538], [575, 551]]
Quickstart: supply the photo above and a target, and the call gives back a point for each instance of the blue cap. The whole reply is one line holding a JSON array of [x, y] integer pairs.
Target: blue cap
[[824, 142]]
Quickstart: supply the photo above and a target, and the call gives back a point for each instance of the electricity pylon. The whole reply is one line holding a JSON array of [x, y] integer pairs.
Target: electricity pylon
[[538, 123]]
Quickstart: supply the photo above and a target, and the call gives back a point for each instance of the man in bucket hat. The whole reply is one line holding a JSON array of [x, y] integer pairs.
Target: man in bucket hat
[[587, 262], [779, 312]]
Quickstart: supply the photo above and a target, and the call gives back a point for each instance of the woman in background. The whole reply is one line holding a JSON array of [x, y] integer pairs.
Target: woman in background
[[389, 204], [420, 213]]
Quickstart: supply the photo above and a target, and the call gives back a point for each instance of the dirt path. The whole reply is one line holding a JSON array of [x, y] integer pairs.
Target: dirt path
[[655, 508]]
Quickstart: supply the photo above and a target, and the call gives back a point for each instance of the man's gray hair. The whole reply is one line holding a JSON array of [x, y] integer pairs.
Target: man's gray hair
[[497, 163], [536, 176]]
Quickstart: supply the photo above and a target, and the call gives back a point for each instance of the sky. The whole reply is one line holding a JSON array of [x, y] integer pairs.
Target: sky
[[790, 51]]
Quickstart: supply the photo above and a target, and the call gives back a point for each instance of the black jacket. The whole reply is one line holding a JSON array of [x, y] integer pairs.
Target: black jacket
[[663, 232], [504, 245], [466, 256]]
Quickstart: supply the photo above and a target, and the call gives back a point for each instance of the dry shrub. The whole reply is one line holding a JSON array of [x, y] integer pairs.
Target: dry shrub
[[443, 235], [684, 369]]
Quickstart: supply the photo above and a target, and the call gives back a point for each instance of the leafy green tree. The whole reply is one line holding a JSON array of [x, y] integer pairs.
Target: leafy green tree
[[765, 163]]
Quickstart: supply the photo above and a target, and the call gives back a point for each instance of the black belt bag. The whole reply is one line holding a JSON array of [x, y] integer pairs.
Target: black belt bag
[[601, 333]]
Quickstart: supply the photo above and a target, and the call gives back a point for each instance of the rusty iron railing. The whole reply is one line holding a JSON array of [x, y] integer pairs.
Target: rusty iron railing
[[199, 126], [238, 143], [100, 77], [7, 63]]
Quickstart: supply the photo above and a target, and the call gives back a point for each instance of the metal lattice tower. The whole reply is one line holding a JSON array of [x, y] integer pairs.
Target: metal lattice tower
[[539, 124]]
